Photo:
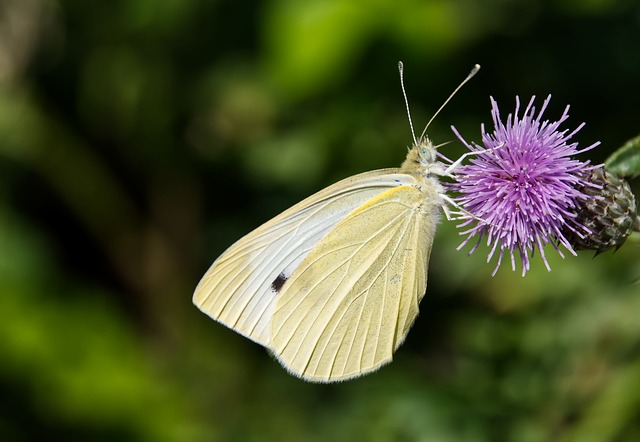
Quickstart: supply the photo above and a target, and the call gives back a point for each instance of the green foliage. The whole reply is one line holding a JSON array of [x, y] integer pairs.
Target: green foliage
[[138, 139], [625, 162]]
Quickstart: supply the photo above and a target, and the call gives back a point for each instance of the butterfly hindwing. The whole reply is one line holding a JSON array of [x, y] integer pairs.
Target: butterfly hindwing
[[241, 287], [351, 301]]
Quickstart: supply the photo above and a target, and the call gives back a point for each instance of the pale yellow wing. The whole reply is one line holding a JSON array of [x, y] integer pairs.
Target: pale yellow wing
[[352, 300], [240, 288]]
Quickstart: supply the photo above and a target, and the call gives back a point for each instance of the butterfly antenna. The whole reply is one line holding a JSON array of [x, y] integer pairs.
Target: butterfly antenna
[[473, 72], [406, 100]]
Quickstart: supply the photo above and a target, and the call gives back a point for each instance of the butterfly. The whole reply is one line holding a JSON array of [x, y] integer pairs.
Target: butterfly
[[332, 285]]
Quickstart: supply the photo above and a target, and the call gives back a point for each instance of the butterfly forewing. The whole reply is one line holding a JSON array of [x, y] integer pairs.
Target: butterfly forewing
[[351, 301], [241, 287]]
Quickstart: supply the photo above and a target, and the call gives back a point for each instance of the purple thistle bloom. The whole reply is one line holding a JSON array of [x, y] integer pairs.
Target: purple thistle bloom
[[521, 188]]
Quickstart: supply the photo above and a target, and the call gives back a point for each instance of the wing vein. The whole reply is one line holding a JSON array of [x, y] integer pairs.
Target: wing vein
[[401, 231]]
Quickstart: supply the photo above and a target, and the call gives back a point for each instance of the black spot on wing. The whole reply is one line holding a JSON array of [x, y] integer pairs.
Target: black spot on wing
[[277, 284]]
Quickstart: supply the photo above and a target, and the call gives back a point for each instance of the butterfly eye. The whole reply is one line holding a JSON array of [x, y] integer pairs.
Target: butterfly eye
[[427, 155]]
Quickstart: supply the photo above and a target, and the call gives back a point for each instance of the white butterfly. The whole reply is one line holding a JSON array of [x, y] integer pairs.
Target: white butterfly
[[332, 285]]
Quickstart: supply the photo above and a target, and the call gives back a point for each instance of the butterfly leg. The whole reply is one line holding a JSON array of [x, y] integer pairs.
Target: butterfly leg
[[460, 213]]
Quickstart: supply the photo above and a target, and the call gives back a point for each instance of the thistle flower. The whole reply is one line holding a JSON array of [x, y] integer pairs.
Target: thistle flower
[[521, 188]]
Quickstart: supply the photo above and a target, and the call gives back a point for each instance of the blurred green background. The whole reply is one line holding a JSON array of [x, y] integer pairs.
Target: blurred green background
[[140, 138]]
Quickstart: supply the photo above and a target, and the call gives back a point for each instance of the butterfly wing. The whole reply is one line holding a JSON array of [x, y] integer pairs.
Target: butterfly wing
[[352, 300], [241, 286]]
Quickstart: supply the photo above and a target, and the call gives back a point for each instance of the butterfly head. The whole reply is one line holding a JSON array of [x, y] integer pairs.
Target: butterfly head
[[422, 158]]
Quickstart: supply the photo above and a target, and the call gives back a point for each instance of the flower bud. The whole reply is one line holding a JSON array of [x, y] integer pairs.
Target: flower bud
[[609, 212]]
